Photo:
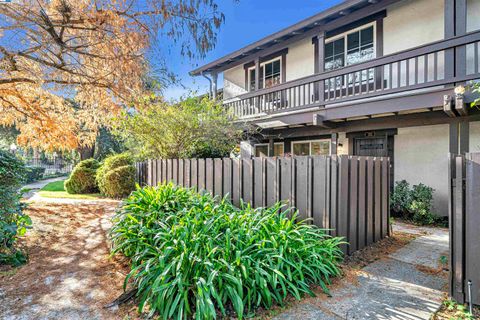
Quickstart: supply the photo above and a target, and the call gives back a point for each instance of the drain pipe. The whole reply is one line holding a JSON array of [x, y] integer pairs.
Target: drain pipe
[[470, 307], [211, 84]]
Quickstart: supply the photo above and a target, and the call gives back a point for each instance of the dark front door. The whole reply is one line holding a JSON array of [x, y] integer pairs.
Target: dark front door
[[376, 146], [371, 147]]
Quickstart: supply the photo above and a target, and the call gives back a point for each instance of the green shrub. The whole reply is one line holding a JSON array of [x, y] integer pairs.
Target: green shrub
[[13, 222], [34, 174], [401, 197], [421, 206], [192, 254], [82, 180], [109, 179], [119, 182], [414, 203]]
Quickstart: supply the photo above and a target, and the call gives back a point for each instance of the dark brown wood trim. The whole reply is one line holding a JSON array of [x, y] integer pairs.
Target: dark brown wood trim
[[379, 37], [376, 133], [272, 56], [374, 17]]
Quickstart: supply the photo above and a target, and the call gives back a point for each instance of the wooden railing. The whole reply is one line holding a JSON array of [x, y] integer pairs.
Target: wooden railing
[[439, 63]]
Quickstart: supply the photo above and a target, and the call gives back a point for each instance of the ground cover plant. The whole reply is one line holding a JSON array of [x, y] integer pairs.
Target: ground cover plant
[[193, 255], [13, 221]]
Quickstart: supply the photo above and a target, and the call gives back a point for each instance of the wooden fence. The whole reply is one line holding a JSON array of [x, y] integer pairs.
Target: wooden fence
[[345, 194], [464, 227]]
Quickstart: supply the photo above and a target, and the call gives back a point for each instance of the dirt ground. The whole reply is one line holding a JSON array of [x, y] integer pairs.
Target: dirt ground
[[70, 274]]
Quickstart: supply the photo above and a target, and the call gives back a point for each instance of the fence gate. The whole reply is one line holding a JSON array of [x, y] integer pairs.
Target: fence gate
[[348, 195], [464, 219]]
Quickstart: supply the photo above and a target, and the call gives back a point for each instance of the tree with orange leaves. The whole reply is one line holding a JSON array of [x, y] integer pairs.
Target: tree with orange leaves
[[91, 51]]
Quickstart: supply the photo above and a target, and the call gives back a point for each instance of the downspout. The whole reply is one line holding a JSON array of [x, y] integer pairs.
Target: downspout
[[211, 84]]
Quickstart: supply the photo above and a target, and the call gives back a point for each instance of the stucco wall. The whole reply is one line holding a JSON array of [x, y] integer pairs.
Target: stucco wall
[[300, 60], [421, 157], [474, 140], [411, 23], [233, 82]]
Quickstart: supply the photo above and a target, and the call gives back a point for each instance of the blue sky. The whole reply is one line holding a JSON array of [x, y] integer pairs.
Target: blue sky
[[246, 22]]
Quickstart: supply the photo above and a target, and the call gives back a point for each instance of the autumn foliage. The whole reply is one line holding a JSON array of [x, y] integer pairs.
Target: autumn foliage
[[67, 66]]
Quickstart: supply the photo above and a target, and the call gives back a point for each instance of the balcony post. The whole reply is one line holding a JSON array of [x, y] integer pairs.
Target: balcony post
[[320, 65], [461, 29], [455, 25], [257, 83]]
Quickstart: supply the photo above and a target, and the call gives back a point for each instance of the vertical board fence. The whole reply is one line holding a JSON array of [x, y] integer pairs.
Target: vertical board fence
[[347, 195], [464, 227]]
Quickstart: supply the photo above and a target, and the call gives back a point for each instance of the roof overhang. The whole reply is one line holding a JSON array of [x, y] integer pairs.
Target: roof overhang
[[335, 17]]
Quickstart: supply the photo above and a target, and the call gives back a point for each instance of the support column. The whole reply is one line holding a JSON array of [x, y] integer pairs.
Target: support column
[[214, 85], [334, 144], [271, 147]]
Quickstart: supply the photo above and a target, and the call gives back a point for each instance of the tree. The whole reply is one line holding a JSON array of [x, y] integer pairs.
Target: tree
[[195, 127], [93, 51]]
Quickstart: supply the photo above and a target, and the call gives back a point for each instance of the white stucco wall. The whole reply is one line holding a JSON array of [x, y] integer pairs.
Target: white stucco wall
[[233, 82], [300, 63], [411, 23], [421, 156], [474, 145], [300, 60]]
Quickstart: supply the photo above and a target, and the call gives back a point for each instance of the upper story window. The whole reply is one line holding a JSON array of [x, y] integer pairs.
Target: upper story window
[[270, 74], [349, 48]]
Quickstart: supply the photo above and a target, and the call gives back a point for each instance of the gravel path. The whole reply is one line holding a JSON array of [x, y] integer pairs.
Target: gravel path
[[70, 274]]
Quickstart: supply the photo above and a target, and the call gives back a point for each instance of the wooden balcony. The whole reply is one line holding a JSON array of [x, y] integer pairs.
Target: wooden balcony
[[446, 62]]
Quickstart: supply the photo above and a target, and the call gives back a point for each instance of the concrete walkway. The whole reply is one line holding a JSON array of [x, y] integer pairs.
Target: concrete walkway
[[34, 187], [407, 284]]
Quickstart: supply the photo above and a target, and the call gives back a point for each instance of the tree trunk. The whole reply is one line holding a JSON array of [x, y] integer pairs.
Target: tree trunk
[[86, 153]]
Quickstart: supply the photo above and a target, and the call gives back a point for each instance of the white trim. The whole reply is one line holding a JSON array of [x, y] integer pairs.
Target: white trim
[[266, 144], [310, 144], [262, 65], [346, 33]]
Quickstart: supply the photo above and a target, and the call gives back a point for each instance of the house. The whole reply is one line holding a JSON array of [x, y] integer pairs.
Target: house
[[365, 77]]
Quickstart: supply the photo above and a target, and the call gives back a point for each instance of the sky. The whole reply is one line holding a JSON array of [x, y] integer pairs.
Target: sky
[[246, 21]]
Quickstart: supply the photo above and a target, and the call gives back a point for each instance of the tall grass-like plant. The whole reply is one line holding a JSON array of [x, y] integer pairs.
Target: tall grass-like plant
[[193, 255]]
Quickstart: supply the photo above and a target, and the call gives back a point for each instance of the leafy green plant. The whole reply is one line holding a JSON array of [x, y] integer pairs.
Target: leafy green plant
[[116, 176], [460, 311], [194, 255], [82, 180], [34, 174], [414, 203], [13, 222], [421, 205], [401, 198]]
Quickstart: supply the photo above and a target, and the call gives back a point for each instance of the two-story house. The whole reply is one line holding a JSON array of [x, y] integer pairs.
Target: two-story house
[[365, 77]]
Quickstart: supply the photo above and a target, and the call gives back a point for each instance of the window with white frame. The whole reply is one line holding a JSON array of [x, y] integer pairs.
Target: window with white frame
[[311, 148], [270, 74], [350, 48], [262, 150]]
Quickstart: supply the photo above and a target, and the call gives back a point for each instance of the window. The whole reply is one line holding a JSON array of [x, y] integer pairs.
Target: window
[[261, 150], [335, 54], [270, 74], [311, 148], [350, 48]]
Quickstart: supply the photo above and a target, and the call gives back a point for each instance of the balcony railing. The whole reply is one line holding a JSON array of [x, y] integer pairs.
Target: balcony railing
[[440, 63]]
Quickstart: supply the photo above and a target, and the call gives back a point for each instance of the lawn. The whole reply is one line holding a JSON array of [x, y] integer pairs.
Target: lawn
[[57, 190]]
